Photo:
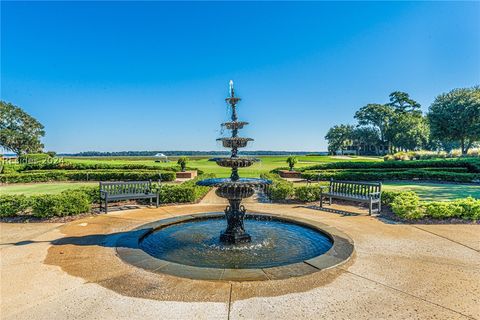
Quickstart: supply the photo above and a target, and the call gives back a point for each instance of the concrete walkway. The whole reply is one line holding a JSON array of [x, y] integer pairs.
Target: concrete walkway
[[71, 271]]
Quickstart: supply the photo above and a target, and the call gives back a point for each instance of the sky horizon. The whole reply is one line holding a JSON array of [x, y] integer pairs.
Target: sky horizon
[[119, 76]]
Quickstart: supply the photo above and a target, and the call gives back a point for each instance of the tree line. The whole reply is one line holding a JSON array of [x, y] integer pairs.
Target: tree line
[[452, 121]]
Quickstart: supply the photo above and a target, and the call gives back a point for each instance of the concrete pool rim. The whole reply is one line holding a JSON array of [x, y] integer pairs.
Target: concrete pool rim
[[127, 248]]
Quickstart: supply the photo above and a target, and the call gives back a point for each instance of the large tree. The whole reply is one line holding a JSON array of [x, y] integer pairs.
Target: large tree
[[410, 131], [377, 115], [364, 137], [19, 132], [337, 137], [455, 117], [402, 102]]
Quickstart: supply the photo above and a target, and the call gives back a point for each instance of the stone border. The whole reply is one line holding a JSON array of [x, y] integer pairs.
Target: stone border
[[128, 250]]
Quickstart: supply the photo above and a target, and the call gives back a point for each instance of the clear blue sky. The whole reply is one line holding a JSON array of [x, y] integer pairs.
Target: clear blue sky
[[152, 76]]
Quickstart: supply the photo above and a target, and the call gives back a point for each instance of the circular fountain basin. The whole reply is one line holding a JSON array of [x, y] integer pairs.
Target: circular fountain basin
[[189, 246]]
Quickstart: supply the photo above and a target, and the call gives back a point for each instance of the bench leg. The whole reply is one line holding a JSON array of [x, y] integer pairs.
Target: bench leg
[[150, 202], [106, 206], [157, 199], [321, 200], [370, 207], [379, 206], [330, 201]]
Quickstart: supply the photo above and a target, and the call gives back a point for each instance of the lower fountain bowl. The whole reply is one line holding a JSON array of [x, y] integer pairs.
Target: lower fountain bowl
[[280, 247]]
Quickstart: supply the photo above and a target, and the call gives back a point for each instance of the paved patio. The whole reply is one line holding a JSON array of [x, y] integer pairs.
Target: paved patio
[[71, 271]]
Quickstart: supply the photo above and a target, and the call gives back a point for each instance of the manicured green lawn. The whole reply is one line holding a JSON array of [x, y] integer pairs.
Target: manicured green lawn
[[42, 188], [265, 164], [436, 191]]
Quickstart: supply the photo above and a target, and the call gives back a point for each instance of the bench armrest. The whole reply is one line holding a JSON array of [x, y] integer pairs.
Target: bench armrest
[[374, 194], [323, 187]]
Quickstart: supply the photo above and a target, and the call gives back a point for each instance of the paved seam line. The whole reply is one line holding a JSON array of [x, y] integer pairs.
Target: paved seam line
[[411, 295], [463, 245], [229, 301]]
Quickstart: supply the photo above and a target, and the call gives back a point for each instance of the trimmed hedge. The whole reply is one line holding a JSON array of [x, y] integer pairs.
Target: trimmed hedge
[[408, 205], [472, 165], [76, 201], [188, 191], [97, 166], [424, 155], [308, 193], [280, 189], [66, 203], [420, 174], [11, 205], [33, 157], [69, 202], [9, 168], [85, 175]]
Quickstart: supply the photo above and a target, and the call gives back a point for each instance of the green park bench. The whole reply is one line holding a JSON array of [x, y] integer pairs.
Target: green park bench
[[370, 193]]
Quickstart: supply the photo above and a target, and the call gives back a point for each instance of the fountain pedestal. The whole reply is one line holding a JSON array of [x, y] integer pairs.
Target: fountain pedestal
[[234, 189], [235, 232]]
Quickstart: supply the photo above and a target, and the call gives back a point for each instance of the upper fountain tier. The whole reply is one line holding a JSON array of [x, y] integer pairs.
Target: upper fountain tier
[[234, 142], [236, 162], [234, 125]]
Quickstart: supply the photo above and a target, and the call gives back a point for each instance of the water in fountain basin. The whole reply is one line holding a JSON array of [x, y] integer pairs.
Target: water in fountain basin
[[274, 243]]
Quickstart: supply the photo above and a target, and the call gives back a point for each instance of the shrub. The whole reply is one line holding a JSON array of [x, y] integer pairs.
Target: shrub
[[93, 193], [388, 157], [292, 161], [389, 196], [33, 157], [11, 205], [439, 210], [97, 166], [471, 163], [182, 162], [279, 189], [407, 205], [9, 168], [471, 208], [66, 203], [85, 175], [188, 191], [308, 193], [374, 175], [475, 152], [455, 153]]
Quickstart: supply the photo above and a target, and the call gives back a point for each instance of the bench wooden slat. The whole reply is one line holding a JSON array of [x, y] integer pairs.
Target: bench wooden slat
[[354, 190], [124, 190]]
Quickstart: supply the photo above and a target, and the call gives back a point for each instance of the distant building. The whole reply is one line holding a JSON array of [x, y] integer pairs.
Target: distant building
[[363, 150], [160, 157]]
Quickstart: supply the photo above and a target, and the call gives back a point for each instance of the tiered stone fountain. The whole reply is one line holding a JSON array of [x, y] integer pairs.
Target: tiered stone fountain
[[190, 246], [234, 189]]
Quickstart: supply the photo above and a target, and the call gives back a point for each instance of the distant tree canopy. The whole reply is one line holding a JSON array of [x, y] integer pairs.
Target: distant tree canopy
[[401, 102], [19, 132], [454, 118], [338, 136], [453, 121], [398, 124]]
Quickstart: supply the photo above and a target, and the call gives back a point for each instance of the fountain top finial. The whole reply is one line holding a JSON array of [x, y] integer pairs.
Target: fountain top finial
[[232, 92]]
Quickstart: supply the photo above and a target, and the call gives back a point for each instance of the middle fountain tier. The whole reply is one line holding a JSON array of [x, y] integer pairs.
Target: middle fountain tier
[[235, 189]]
